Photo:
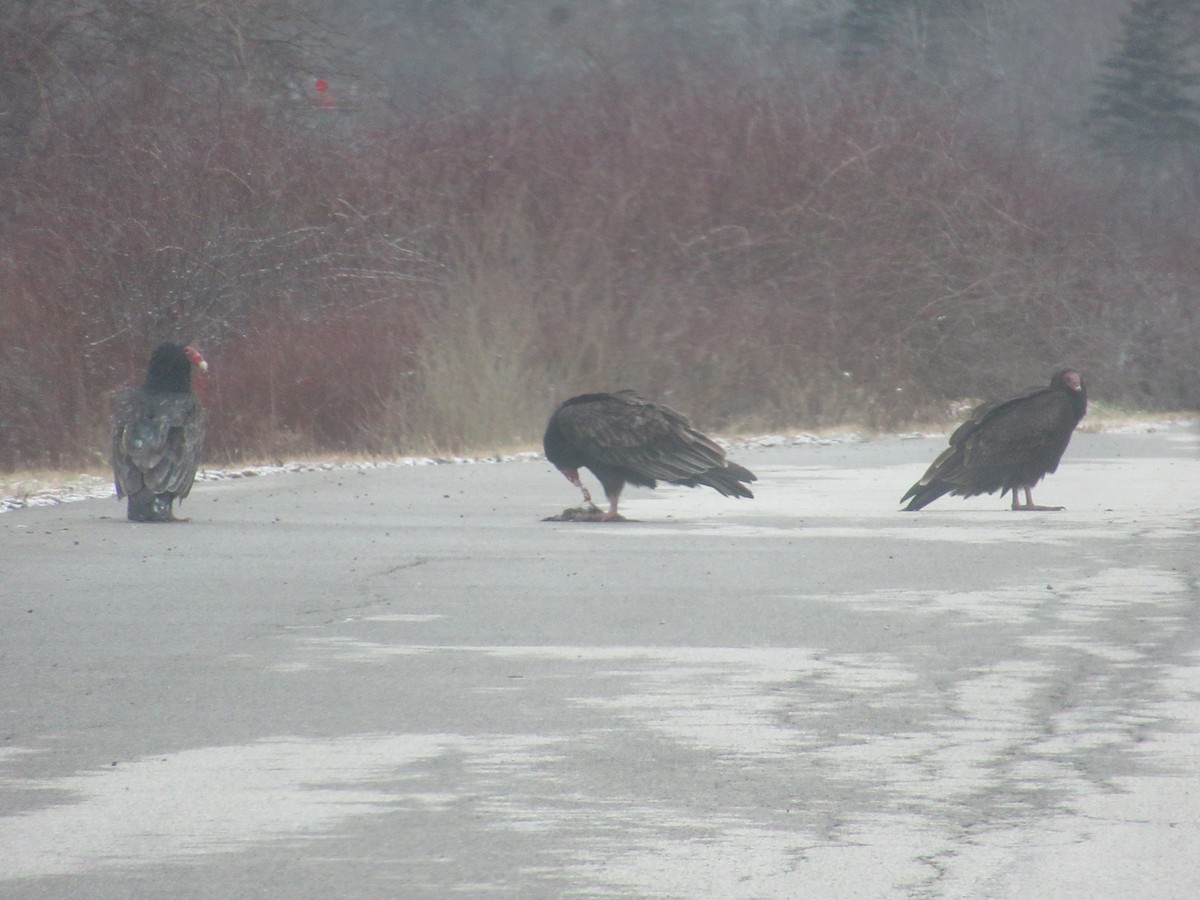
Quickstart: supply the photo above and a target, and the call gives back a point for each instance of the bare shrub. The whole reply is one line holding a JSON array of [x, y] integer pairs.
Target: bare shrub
[[202, 230], [757, 256]]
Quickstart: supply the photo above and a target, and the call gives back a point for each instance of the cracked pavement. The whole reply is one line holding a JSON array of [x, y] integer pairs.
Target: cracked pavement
[[401, 682]]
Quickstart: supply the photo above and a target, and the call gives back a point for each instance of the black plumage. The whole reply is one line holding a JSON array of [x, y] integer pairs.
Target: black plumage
[[623, 438], [158, 433], [1007, 445]]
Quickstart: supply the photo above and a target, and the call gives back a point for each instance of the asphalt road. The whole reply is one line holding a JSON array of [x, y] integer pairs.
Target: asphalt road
[[403, 683]]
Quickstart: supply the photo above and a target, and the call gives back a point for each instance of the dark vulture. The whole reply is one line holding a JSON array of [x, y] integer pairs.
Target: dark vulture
[[623, 438], [158, 432], [1007, 445]]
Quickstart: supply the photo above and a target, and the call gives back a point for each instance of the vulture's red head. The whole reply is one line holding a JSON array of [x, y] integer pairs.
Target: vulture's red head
[[1070, 379], [170, 368], [196, 359]]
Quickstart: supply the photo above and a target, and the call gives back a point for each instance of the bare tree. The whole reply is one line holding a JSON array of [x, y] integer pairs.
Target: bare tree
[[72, 61]]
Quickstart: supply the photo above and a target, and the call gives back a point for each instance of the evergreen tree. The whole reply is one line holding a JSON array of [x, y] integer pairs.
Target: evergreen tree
[[867, 28], [929, 33], [1147, 100]]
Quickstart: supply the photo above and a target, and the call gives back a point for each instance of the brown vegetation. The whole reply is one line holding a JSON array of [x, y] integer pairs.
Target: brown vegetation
[[755, 256]]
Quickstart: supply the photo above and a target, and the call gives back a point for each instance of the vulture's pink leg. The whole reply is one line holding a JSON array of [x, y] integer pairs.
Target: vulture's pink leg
[[572, 475], [1030, 506], [612, 515]]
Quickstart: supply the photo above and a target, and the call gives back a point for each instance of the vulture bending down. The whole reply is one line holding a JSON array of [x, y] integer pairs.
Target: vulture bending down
[[1007, 445], [158, 431], [623, 438]]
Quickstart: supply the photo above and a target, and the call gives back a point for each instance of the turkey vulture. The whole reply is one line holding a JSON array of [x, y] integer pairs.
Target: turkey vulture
[[158, 430], [1007, 445], [623, 438]]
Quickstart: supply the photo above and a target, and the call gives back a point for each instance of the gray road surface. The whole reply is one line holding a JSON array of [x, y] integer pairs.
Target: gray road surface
[[402, 683]]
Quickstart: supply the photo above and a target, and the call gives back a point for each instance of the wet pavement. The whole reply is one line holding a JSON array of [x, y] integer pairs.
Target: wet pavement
[[402, 683]]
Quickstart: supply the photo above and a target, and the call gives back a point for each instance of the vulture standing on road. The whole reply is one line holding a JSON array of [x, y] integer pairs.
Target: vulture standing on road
[[1007, 445], [623, 438], [158, 431]]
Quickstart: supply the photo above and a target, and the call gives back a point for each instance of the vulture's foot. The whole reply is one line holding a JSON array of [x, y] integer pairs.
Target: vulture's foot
[[1029, 505], [585, 514]]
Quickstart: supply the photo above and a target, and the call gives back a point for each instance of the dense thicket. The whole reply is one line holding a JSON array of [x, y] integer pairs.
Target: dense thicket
[[764, 246]]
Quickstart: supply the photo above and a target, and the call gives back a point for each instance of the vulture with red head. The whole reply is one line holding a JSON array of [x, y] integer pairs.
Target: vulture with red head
[[623, 438], [158, 433], [1007, 445]]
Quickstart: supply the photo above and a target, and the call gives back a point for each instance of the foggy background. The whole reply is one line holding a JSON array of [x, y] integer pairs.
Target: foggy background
[[415, 226]]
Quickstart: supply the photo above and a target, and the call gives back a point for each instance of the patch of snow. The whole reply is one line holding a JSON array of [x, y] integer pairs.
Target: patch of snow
[[1149, 427], [782, 440]]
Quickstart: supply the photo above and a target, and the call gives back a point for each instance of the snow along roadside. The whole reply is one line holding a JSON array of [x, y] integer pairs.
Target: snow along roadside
[[20, 492]]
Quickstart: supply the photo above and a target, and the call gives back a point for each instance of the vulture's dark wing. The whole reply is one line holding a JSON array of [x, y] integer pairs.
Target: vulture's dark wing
[[987, 411], [157, 439], [1004, 444], [625, 431], [1030, 430]]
